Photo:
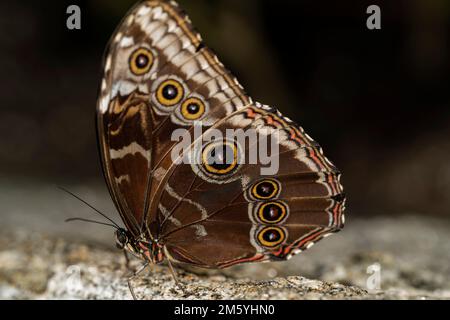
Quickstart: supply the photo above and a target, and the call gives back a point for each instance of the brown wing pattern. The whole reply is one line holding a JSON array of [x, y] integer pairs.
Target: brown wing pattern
[[160, 77], [216, 222], [135, 120]]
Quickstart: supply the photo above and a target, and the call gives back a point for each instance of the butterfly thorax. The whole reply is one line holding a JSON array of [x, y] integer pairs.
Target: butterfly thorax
[[149, 250]]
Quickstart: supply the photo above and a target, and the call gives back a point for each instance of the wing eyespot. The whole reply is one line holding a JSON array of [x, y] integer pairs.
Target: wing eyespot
[[266, 189], [271, 237], [220, 158], [273, 212], [141, 61], [170, 93], [193, 109]]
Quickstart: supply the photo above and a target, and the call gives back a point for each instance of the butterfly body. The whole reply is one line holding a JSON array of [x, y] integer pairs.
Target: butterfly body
[[159, 78], [150, 251]]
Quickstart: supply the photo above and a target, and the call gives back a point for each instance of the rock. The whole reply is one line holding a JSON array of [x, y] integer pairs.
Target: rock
[[38, 267], [35, 266], [78, 261]]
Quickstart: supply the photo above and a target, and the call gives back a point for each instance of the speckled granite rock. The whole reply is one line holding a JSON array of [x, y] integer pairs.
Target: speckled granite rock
[[37, 267], [50, 259], [413, 255]]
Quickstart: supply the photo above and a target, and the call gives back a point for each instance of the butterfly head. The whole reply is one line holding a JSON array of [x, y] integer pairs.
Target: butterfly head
[[122, 239]]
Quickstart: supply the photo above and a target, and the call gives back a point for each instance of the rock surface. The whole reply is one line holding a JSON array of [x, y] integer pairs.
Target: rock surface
[[41, 257], [413, 254]]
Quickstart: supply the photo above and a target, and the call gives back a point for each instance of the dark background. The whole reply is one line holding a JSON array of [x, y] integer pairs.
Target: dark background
[[376, 100]]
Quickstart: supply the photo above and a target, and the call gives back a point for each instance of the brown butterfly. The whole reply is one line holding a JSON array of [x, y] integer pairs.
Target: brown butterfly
[[160, 77]]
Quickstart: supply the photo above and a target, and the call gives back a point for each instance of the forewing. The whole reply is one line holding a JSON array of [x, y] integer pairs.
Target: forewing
[[156, 69]]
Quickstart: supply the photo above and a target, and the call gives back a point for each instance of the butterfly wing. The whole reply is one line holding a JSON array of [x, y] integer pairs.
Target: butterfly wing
[[158, 77], [217, 219]]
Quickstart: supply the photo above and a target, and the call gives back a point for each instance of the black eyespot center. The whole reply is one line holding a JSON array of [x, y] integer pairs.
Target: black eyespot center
[[142, 61], [193, 108], [170, 92], [272, 212], [265, 189], [272, 235]]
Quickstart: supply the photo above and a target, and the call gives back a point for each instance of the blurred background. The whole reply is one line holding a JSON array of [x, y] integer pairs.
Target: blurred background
[[378, 101]]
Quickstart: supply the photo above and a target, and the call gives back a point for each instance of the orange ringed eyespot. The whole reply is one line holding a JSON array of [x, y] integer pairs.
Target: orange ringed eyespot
[[193, 109], [170, 93], [265, 190], [272, 212], [141, 61], [220, 158], [271, 236]]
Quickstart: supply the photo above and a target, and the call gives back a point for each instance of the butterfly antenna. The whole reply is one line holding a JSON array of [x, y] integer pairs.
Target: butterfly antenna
[[92, 221], [90, 206]]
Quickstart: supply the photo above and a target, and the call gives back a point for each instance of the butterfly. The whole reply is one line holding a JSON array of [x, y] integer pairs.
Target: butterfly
[[160, 77]]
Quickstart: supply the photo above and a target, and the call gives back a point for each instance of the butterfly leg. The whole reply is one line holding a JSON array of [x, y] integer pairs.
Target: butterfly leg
[[175, 278], [127, 260], [133, 277], [171, 268], [173, 272]]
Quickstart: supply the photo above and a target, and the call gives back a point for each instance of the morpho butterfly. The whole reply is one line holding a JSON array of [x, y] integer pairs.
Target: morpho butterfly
[[160, 77]]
